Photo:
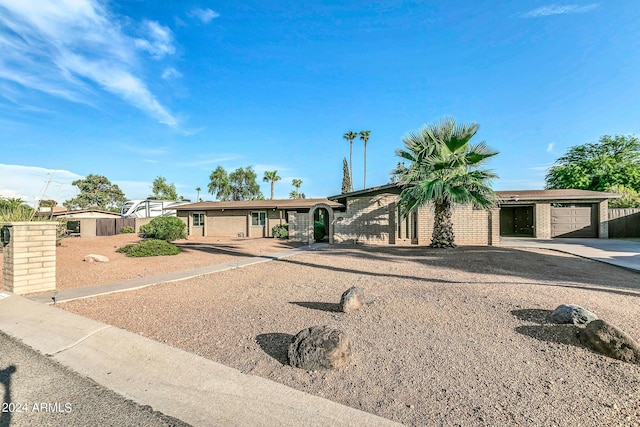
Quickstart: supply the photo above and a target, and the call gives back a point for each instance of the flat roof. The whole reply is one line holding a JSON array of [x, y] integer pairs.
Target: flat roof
[[257, 204], [566, 194]]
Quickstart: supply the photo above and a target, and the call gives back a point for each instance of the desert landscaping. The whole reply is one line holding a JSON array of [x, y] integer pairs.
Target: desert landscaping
[[447, 337]]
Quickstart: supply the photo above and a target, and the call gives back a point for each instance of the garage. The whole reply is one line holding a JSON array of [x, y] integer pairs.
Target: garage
[[574, 220], [516, 221]]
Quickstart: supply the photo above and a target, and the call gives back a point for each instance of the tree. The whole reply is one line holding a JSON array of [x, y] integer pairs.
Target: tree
[[350, 136], [296, 194], [271, 176], [219, 184], [444, 170], [629, 198], [346, 178], [198, 189], [96, 192], [364, 135], [238, 185], [612, 161], [162, 190]]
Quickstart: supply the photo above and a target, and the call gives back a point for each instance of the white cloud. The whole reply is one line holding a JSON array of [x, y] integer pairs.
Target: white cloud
[[160, 41], [33, 183], [72, 49], [205, 15], [171, 73], [550, 147], [559, 10]]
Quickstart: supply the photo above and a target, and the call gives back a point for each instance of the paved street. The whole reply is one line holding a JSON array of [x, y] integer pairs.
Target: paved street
[[38, 391]]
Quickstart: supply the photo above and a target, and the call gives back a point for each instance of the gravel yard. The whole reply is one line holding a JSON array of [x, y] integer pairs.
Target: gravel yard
[[449, 337]]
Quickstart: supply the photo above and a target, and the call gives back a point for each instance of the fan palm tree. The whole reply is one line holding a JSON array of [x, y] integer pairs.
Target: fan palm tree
[[350, 136], [271, 176], [198, 189], [364, 135], [444, 169]]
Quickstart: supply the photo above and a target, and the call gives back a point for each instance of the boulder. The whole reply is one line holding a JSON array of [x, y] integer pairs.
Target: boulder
[[319, 347], [352, 299], [95, 258], [606, 339], [571, 313]]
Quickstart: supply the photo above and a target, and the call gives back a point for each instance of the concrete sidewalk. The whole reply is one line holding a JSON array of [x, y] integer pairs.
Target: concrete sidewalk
[[142, 282], [621, 253], [178, 384]]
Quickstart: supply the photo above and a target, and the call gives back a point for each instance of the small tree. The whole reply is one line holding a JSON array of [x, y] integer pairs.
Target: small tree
[[629, 198], [346, 178]]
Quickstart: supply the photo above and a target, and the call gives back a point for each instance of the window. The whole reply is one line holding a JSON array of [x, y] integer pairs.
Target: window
[[198, 219], [258, 218]]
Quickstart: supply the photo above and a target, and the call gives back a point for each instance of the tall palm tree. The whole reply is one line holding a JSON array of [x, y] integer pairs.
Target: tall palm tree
[[444, 169], [350, 136], [198, 189], [364, 135], [271, 176], [296, 183], [296, 194]]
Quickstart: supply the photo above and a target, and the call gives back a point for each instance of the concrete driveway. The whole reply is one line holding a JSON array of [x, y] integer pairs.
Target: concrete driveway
[[623, 253]]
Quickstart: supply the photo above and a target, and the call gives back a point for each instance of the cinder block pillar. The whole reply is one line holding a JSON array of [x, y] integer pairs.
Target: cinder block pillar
[[29, 259]]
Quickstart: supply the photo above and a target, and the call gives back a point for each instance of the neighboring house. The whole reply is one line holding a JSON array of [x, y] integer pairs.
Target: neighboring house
[[86, 222], [372, 216], [256, 218]]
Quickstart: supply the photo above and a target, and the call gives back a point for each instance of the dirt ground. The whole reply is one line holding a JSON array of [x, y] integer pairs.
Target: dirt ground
[[448, 337]]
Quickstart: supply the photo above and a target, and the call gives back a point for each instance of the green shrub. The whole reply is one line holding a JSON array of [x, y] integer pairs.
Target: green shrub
[[127, 229], [280, 231], [152, 247], [167, 228], [319, 230]]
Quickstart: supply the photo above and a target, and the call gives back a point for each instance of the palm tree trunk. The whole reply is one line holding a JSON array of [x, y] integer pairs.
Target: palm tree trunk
[[442, 236], [365, 165], [272, 182], [350, 163]]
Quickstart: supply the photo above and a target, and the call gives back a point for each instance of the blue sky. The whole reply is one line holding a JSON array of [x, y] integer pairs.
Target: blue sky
[[137, 89]]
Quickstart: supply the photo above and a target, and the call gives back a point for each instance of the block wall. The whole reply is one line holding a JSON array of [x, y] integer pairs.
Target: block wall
[[542, 224], [470, 226], [603, 219], [299, 227], [29, 260], [367, 220]]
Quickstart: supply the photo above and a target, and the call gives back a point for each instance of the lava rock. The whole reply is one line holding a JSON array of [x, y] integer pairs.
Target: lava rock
[[352, 299], [571, 313], [319, 347], [609, 340]]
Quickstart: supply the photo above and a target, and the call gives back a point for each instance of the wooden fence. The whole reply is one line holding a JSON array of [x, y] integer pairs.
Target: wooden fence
[[624, 223], [112, 226]]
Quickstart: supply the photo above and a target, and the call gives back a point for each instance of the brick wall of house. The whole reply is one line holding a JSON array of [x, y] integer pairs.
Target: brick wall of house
[[603, 219], [542, 223], [366, 220], [29, 260], [274, 218], [470, 226], [226, 223], [374, 220]]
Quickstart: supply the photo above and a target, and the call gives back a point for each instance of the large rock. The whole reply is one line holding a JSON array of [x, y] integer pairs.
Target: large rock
[[606, 339], [96, 258], [319, 347], [571, 313], [352, 299]]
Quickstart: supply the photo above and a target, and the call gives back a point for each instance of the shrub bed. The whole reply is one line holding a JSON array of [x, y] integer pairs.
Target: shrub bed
[[151, 247]]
